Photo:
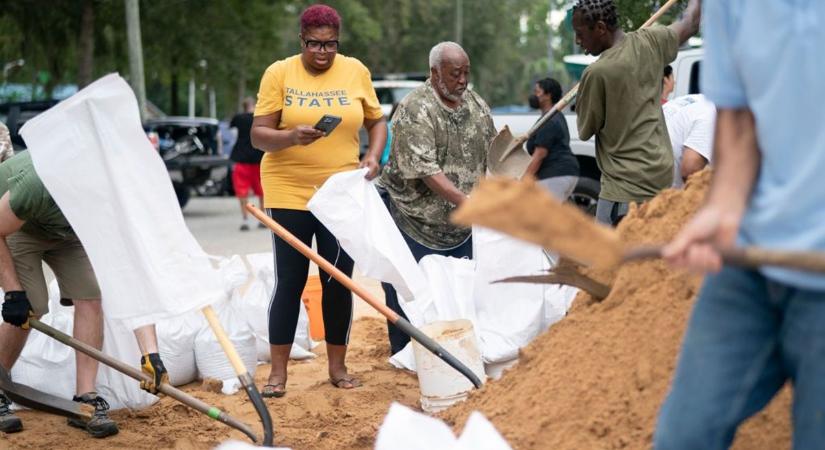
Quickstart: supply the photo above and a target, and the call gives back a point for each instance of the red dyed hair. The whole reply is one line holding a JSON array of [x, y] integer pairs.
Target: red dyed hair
[[320, 16]]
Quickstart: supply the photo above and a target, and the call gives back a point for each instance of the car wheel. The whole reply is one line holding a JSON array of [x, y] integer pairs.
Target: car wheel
[[182, 193], [586, 195]]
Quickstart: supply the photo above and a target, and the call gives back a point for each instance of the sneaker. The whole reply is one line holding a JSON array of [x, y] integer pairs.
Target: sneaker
[[9, 423], [100, 425], [261, 225], [244, 227]]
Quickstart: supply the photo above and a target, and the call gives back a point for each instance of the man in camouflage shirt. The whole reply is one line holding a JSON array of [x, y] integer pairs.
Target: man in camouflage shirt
[[441, 132]]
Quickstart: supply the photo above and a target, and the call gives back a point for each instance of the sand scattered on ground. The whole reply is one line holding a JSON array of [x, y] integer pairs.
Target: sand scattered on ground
[[312, 415]]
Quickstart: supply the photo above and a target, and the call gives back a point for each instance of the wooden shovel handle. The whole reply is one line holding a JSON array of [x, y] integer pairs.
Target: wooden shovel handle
[[757, 257], [750, 257], [223, 339]]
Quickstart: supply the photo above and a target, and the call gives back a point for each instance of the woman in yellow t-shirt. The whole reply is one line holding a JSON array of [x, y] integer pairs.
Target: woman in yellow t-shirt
[[295, 93]]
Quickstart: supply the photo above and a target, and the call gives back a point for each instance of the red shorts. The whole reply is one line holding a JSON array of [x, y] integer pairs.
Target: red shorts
[[246, 176]]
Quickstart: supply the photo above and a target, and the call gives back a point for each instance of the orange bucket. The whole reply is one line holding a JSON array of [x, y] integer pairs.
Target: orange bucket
[[311, 298]]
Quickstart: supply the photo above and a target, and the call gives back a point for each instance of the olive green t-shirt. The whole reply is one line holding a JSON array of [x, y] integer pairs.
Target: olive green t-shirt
[[619, 102], [30, 201]]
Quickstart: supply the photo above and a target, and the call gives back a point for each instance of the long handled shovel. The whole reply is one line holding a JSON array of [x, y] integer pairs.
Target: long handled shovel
[[511, 206], [360, 291], [247, 382], [503, 161], [132, 372]]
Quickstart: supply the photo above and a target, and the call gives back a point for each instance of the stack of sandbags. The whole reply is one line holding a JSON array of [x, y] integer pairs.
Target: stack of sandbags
[[176, 342]]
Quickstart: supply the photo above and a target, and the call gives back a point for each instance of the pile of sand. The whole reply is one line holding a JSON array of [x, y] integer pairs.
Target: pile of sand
[[596, 379]]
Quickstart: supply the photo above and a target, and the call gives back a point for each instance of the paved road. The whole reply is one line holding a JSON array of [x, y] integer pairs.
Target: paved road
[[215, 223]]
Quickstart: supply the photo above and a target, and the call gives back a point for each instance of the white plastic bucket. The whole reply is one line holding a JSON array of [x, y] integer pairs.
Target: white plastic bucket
[[440, 384]]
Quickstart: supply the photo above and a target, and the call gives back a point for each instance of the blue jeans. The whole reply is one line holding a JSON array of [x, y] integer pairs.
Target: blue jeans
[[747, 337]]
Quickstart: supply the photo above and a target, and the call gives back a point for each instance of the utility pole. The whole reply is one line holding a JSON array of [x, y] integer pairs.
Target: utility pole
[[549, 41], [459, 20], [135, 54]]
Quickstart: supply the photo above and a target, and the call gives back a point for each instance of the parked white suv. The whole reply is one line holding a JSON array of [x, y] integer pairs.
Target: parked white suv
[[686, 69]]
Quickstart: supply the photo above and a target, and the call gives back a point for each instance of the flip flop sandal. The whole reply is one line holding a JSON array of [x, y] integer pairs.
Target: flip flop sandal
[[352, 381], [270, 390]]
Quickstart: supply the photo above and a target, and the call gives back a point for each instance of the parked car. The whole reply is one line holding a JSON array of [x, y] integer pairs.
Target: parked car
[[191, 148], [586, 194], [390, 89], [15, 114]]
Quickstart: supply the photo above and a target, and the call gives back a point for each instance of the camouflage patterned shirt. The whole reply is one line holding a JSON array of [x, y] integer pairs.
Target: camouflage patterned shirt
[[6, 149], [428, 138]]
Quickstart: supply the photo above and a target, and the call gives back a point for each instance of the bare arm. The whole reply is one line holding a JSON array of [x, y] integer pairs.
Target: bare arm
[[9, 223], [377, 131], [691, 163], [736, 166], [688, 25], [539, 153], [444, 188], [147, 339], [267, 137]]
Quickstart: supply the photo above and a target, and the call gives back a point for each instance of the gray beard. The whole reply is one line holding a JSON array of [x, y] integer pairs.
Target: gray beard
[[442, 88]]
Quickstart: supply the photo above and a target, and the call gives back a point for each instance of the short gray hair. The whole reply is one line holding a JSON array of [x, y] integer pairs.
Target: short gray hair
[[437, 53]]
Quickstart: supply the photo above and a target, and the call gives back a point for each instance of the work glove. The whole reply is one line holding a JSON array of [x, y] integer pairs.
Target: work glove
[[17, 309], [151, 365]]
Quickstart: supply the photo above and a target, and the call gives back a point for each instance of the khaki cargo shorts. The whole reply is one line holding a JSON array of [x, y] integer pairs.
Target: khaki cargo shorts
[[67, 259]]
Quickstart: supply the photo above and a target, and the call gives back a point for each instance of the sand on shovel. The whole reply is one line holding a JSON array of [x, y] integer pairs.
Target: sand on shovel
[[523, 209]]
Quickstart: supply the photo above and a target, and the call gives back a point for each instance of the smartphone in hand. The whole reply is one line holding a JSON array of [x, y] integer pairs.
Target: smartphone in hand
[[327, 124]]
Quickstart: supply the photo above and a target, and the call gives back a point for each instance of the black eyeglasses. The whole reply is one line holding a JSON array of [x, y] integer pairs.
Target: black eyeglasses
[[327, 46]]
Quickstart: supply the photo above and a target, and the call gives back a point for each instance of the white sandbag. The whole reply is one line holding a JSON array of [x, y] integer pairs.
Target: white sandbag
[[239, 445], [510, 315], [118, 389], [45, 364], [405, 429], [176, 345], [209, 355], [451, 280], [350, 207], [254, 298], [120, 202]]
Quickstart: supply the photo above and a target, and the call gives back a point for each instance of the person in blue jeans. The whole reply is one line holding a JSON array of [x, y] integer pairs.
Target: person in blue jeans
[[751, 331]]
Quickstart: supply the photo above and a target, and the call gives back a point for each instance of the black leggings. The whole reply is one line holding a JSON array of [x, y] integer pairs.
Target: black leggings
[[291, 270]]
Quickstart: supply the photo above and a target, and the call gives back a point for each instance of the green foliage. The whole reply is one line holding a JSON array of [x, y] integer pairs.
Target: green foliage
[[226, 45], [633, 13]]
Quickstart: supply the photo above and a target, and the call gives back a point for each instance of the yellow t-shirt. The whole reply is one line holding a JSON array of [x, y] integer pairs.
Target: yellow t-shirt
[[291, 175]]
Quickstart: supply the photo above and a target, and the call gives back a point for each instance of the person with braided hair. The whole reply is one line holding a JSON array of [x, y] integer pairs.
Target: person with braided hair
[[619, 102]]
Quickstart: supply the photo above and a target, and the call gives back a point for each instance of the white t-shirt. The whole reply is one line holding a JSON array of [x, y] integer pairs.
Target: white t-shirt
[[690, 123]]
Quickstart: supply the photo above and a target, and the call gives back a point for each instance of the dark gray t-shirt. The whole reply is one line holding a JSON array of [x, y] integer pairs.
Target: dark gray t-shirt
[[555, 137]]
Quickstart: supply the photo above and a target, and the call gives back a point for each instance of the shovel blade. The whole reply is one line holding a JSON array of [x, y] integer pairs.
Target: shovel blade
[[34, 399], [506, 157]]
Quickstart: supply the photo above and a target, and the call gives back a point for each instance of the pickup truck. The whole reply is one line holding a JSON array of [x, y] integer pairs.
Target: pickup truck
[[586, 194]]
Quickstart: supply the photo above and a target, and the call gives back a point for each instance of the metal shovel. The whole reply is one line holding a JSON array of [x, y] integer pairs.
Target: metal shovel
[[49, 405]]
